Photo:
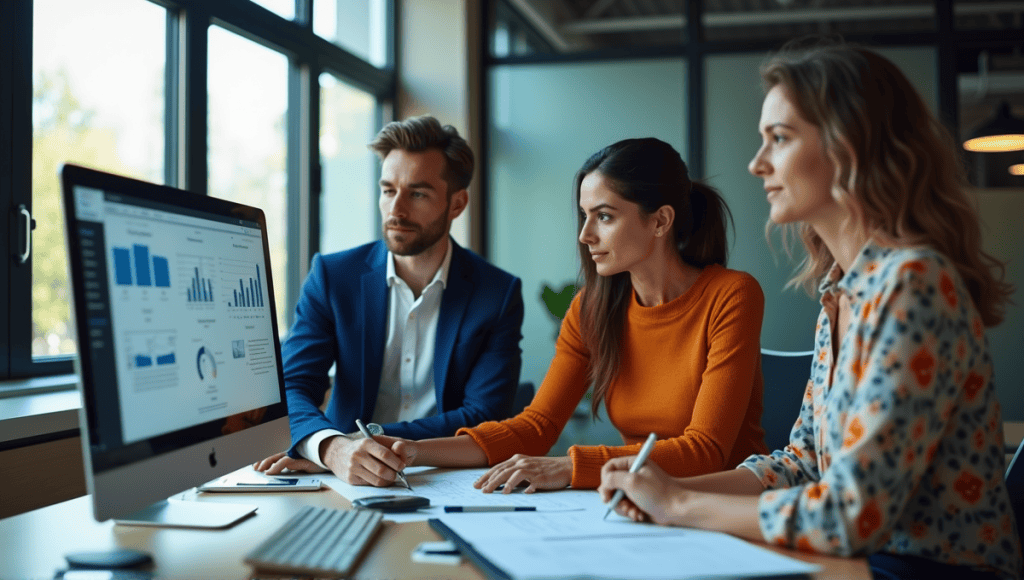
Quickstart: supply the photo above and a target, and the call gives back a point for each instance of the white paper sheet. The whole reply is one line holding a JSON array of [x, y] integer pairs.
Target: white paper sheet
[[455, 487], [694, 554], [529, 526]]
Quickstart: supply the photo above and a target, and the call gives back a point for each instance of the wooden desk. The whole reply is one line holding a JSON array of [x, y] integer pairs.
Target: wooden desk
[[34, 543]]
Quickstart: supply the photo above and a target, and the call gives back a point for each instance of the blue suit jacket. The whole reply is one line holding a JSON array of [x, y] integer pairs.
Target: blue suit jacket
[[341, 317]]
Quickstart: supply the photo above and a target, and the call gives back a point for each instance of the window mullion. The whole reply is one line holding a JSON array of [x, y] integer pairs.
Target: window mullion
[[19, 130], [8, 24]]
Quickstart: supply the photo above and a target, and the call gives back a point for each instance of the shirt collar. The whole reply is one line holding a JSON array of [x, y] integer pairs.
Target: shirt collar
[[860, 275], [441, 276]]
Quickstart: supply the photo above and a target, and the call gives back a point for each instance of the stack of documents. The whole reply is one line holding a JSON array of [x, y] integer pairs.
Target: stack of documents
[[537, 545], [567, 536]]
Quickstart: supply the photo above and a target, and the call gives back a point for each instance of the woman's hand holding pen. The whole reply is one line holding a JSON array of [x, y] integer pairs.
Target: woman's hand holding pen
[[651, 494], [405, 449], [539, 472]]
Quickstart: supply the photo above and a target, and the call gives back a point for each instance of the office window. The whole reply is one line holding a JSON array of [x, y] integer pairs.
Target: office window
[[117, 85], [358, 26], [283, 8], [248, 99], [97, 100], [348, 214]]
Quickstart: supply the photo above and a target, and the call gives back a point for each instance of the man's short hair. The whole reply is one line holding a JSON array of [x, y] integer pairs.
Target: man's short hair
[[423, 133]]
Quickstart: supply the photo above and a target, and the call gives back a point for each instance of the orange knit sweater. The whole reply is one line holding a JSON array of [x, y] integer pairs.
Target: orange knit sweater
[[690, 372]]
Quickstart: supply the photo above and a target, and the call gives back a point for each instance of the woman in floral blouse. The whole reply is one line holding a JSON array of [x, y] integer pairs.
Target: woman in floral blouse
[[897, 453]]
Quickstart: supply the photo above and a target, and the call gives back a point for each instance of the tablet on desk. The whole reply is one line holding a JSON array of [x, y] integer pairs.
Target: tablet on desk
[[255, 482]]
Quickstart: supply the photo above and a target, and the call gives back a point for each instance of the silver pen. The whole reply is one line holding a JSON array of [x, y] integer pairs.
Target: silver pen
[[366, 433], [640, 459]]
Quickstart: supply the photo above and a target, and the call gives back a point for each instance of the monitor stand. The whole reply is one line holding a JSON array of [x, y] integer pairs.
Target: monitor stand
[[188, 514]]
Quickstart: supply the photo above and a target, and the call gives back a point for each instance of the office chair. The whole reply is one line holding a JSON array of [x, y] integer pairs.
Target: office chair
[[524, 395], [785, 379], [1015, 486]]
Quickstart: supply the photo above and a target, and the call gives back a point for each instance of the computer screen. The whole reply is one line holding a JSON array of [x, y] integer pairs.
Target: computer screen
[[179, 357]]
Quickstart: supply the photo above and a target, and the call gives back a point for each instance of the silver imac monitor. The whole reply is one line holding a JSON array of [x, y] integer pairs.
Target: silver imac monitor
[[179, 360]]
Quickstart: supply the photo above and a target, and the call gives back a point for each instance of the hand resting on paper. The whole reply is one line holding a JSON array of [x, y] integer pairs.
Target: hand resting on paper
[[537, 472]]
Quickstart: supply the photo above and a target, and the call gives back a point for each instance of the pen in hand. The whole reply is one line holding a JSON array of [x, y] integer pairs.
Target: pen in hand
[[640, 459], [366, 433]]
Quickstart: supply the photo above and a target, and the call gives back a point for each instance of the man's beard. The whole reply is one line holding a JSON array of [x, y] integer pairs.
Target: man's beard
[[415, 242]]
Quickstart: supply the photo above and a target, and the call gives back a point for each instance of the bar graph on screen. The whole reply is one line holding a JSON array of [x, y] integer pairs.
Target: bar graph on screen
[[152, 359], [135, 266], [244, 286], [195, 279]]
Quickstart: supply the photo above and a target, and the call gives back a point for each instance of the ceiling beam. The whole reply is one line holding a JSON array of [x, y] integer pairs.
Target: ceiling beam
[[598, 8], [541, 24], [720, 19]]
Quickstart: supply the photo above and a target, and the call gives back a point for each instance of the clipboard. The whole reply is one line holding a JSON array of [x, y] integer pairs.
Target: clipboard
[[468, 551], [693, 543]]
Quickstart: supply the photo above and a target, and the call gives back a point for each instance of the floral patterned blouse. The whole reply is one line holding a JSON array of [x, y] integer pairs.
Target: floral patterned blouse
[[901, 450]]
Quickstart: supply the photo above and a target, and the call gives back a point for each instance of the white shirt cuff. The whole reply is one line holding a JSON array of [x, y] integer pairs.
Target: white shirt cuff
[[309, 447]]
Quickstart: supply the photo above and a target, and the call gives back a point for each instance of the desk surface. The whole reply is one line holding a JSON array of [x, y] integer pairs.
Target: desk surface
[[34, 543]]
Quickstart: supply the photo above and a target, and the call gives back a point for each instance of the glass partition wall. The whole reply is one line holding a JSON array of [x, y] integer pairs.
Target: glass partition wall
[[566, 78]]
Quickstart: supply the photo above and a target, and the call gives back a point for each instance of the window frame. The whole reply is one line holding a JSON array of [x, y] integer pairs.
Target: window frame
[[185, 134]]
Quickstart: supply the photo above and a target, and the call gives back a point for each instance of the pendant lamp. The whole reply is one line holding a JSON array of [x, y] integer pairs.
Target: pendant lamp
[[1003, 133]]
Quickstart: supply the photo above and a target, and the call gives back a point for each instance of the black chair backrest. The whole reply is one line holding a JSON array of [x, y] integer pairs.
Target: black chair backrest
[[785, 379], [1015, 486]]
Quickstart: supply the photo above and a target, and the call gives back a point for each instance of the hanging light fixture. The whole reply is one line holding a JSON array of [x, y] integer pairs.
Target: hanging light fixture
[[1017, 169], [1003, 133]]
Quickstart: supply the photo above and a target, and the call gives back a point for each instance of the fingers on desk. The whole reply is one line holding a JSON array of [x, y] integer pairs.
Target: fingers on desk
[[265, 464]]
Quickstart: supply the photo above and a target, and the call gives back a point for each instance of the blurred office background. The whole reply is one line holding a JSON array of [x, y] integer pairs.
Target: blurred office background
[[271, 102]]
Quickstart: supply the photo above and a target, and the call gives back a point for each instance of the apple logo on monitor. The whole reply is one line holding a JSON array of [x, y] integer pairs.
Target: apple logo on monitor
[[213, 458]]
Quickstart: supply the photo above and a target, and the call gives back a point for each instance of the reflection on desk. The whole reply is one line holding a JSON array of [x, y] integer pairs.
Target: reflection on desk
[[41, 538]]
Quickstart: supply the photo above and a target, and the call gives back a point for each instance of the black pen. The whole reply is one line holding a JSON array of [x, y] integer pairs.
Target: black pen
[[450, 509]]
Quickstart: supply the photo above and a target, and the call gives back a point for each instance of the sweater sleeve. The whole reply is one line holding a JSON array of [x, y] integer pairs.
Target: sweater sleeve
[[536, 429], [733, 336]]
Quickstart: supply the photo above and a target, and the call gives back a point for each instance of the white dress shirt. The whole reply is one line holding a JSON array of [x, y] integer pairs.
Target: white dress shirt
[[406, 390]]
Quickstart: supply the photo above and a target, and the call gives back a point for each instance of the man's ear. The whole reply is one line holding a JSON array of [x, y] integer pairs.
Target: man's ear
[[459, 201]]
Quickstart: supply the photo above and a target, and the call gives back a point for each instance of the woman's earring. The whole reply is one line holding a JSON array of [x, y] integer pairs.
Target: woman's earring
[[658, 232]]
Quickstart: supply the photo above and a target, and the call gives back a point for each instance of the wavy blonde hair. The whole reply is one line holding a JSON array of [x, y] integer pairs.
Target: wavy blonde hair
[[898, 170]]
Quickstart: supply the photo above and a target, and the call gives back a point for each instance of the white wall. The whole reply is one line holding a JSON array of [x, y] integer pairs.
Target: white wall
[[435, 74], [545, 120]]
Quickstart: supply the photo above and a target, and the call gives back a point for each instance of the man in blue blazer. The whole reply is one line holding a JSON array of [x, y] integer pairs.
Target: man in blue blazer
[[424, 334]]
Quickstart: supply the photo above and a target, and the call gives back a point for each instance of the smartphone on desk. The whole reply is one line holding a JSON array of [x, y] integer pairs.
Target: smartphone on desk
[[255, 482]]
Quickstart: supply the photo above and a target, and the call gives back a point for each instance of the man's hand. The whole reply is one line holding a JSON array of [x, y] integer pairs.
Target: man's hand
[[651, 494], [361, 461], [278, 462], [539, 472]]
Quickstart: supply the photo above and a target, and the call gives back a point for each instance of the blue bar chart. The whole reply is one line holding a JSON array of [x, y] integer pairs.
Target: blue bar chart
[[135, 266], [201, 289], [196, 280], [153, 359], [245, 283]]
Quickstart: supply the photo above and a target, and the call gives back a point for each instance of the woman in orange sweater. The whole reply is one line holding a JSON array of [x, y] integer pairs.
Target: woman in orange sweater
[[667, 336]]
